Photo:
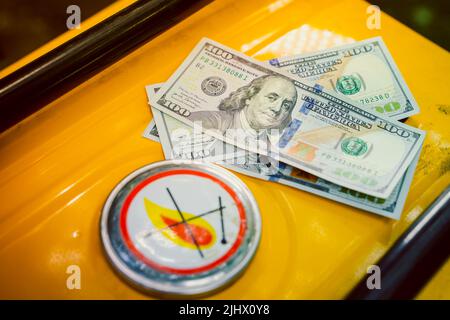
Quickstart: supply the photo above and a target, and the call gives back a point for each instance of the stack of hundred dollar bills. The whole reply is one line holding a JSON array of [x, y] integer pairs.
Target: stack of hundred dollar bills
[[324, 122]]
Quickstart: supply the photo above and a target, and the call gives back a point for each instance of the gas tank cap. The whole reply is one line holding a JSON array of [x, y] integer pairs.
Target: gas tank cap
[[178, 228]]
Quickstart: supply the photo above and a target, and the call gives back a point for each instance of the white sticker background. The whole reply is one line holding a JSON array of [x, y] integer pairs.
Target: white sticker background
[[194, 195]]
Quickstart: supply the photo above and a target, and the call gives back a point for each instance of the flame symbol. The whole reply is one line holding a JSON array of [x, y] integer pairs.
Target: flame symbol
[[172, 227]]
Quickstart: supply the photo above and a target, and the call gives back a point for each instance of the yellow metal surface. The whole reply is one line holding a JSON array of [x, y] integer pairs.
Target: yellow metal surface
[[58, 166]]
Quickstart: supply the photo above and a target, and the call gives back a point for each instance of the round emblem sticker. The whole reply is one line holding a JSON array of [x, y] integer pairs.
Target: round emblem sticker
[[179, 228]]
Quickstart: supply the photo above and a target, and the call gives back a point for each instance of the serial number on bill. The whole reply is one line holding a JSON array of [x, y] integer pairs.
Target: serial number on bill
[[226, 310]]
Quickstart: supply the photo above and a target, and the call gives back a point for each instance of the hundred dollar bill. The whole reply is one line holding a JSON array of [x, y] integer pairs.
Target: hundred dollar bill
[[268, 111], [363, 71], [390, 207]]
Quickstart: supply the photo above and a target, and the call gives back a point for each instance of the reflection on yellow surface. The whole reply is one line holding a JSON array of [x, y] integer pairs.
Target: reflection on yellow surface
[[302, 40], [58, 166]]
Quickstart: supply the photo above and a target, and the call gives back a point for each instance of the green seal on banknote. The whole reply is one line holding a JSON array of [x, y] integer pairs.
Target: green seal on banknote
[[354, 146], [348, 84]]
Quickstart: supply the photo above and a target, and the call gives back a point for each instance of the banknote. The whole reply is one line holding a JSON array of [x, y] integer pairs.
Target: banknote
[[390, 207], [363, 71], [268, 111]]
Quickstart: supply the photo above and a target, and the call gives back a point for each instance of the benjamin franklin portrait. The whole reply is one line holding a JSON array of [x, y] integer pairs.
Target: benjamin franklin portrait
[[265, 103]]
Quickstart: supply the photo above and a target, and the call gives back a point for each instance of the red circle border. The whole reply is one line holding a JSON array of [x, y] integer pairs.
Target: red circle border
[[144, 183]]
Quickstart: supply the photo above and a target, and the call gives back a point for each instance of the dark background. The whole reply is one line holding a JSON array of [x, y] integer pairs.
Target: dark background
[[27, 24], [431, 18]]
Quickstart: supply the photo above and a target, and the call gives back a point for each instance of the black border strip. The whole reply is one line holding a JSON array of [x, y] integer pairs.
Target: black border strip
[[414, 258], [36, 84]]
